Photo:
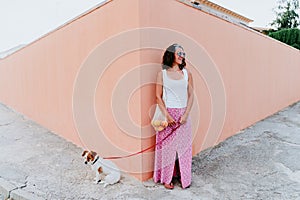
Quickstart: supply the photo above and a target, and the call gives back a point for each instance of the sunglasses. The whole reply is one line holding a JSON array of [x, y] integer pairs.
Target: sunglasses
[[181, 54]]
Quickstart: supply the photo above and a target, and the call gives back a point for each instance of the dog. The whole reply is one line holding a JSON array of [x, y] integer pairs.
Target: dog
[[101, 167]]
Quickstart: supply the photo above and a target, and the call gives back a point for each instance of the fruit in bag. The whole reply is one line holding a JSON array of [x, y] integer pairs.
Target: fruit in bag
[[164, 123], [160, 128], [159, 122], [156, 123]]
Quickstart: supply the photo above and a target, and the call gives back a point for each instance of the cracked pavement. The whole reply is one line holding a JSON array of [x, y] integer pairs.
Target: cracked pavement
[[260, 162]]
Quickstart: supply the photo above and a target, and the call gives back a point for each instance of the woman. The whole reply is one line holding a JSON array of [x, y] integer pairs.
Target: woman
[[174, 94]]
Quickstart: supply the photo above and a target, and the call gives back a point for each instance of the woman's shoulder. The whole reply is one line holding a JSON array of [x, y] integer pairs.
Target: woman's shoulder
[[187, 70], [160, 73]]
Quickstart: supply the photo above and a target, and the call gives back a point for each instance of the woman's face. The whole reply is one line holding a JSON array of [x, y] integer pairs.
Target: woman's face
[[179, 55]]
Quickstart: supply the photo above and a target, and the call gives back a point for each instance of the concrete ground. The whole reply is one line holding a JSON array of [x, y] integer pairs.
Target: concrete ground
[[261, 162]]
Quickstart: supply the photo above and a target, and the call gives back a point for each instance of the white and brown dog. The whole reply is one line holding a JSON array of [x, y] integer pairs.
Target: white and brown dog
[[101, 166]]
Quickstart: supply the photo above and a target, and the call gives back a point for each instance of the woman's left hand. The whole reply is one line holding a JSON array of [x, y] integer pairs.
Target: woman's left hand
[[183, 118]]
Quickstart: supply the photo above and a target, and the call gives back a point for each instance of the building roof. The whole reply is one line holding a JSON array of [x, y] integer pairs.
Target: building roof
[[218, 8]]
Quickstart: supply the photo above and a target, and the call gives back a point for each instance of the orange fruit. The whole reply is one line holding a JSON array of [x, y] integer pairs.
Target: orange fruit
[[160, 128], [164, 123], [156, 123]]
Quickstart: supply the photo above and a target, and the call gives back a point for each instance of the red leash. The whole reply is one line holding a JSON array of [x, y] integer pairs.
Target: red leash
[[142, 151]]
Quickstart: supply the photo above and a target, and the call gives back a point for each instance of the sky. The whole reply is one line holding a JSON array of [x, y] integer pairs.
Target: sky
[[261, 11], [23, 21]]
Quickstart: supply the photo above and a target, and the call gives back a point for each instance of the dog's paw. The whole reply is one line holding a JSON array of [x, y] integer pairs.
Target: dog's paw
[[97, 181], [105, 184]]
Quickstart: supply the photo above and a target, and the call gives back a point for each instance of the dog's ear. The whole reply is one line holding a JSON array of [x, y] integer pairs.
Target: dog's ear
[[93, 153], [83, 154]]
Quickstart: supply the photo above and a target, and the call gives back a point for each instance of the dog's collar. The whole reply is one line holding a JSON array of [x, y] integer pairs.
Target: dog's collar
[[95, 160]]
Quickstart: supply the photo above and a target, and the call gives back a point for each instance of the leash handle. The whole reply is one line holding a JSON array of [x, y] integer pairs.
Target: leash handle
[[144, 150]]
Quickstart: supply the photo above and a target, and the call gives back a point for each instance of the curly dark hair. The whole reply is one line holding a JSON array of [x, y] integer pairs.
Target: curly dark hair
[[169, 57]]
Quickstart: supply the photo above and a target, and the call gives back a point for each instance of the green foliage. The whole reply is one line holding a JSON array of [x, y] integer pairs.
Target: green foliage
[[268, 31], [287, 14], [290, 36]]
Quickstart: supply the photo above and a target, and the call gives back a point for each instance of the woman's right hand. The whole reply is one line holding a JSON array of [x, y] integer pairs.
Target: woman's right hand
[[171, 121]]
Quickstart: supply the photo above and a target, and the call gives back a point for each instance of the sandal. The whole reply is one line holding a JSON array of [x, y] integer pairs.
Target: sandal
[[169, 186]]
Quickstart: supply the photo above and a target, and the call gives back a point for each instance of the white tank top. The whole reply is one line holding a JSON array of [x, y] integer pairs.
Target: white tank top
[[175, 91]]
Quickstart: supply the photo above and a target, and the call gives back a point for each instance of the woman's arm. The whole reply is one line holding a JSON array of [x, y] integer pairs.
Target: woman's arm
[[159, 100], [190, 98]]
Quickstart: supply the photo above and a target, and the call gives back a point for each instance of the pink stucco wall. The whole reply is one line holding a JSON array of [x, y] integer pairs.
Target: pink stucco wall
[[92, 81]]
